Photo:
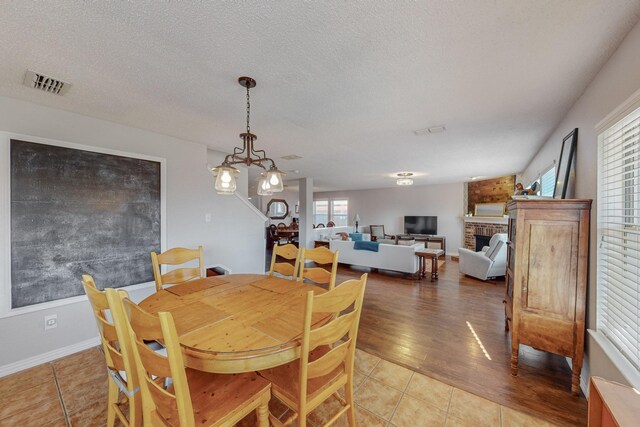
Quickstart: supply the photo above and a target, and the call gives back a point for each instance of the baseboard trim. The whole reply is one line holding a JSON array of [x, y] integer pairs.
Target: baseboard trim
[[49, 356]]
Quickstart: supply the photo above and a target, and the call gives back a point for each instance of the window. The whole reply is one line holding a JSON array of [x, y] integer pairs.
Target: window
[[548, 182], [331, 210], [618, 282], [320, 212], [340, 212]]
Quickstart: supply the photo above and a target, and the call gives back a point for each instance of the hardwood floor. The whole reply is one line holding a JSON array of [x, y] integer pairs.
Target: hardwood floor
[[453, 330]]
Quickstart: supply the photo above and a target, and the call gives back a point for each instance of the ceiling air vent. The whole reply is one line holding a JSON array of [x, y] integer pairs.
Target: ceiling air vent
[[291, 157], [45, 83]]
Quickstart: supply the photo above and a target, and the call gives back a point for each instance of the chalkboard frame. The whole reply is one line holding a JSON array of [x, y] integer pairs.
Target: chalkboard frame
[[5, 226]]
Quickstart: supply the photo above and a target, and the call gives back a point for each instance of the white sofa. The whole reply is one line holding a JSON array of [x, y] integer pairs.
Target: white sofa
[[389, 257], [491, 261]]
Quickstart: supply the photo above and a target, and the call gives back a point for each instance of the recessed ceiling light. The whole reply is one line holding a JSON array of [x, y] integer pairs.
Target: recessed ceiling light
[[473, 178], [432, 129], [291, 157]]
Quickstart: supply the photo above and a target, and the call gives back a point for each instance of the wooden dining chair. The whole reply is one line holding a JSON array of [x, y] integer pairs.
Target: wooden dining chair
[[289, 252], [122, 374], [331, 224], [193, 397], [319, 275], [326, 358], [177, 256]]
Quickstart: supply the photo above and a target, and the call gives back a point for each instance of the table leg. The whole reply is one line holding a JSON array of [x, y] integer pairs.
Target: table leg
[[434, 269]]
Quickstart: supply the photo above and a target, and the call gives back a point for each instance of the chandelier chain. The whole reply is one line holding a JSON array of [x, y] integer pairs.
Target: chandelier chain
[[248, 110]]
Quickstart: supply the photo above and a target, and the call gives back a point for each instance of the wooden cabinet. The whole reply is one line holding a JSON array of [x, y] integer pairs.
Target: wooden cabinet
[[546, 280]]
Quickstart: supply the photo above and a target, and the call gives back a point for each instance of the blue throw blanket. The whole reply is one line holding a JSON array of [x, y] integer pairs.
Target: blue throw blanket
[[366, 246]]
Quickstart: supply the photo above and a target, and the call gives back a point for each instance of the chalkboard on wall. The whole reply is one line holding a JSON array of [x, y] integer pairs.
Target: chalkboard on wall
[[77, 212]]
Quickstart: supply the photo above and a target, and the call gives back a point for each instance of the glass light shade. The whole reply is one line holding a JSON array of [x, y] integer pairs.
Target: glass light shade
[[264, 188], [404, 181], [275, 180], [225, 179]]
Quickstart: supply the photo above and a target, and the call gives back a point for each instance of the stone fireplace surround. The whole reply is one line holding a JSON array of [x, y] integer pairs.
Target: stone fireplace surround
[[482, 226]]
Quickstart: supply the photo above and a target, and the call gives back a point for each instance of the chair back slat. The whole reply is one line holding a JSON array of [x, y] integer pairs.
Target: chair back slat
[[155, 364], [176, 256], [340, 298], [330, 361], [289, 252], [319, 275], [180, 275], [146, 324], [332, 331]]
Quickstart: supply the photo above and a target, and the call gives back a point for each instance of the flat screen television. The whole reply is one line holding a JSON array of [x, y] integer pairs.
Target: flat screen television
[[421, 225]]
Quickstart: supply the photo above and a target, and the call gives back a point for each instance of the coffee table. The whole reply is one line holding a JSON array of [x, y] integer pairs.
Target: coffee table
[[432, 254]]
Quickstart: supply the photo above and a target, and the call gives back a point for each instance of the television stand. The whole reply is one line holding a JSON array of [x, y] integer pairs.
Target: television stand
[[432, 242]]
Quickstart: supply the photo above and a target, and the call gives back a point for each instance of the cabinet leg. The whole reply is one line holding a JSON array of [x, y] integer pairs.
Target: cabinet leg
[[514, 360], [576, 368], [506, 324]]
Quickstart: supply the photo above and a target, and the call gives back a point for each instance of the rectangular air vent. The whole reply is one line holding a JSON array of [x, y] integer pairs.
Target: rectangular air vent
[[45, 83], [291, 157]]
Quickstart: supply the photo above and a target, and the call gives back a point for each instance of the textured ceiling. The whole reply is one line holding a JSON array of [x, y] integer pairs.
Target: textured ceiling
[[342, 84]]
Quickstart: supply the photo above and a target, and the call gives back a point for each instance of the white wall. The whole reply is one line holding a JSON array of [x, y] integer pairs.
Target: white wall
[[616, 81], [291, 196], [234, 237], [388, 206]]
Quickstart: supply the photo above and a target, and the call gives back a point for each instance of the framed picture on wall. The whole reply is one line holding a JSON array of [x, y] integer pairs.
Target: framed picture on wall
[[566, 174], [489, 209]]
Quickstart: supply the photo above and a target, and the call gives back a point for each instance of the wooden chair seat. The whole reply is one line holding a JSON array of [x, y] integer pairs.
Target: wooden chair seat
[[218, 398], [285, 379]]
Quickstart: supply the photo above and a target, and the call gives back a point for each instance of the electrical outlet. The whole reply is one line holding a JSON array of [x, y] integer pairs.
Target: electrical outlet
[[50, 322]]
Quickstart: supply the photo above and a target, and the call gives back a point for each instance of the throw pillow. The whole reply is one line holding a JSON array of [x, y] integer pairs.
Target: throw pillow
[[342, 236], [356, 237]]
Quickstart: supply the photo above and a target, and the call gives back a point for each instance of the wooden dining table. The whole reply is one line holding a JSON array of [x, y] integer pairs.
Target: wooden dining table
[[237, 323]]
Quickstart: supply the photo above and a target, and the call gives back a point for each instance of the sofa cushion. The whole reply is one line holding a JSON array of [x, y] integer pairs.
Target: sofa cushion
[[407, 242], [356, 237], [387, 241]]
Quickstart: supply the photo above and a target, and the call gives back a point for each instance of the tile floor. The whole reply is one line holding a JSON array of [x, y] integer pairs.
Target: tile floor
[[72, 392]]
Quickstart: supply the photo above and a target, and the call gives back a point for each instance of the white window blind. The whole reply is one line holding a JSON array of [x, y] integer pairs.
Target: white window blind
[[618, 306], [548, 182], [320, 212]]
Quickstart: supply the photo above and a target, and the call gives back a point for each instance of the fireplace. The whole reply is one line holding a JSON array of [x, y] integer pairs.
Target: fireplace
[[478, 227], [481, 241]]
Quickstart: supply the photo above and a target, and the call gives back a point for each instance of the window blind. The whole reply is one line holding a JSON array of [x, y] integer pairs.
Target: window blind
[[548, 182], [618, 280]]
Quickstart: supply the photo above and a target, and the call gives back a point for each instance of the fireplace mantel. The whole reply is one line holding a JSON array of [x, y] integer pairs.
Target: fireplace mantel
[[486, 220]]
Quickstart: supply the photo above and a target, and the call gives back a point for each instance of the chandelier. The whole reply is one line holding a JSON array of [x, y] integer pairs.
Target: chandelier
[[270, 181], [404, 178]]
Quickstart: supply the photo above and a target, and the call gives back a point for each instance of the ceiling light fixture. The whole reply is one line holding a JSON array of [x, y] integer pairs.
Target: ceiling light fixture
[[404, 178], [270, 182]]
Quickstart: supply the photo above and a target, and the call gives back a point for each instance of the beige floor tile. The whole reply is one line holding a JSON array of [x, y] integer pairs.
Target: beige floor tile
[[378, 398], [32, 406], [29, 378], [434, 392], [77, 395], [473, 410], [295, 423], [94, 414], [68, 365], [412, 412], [392, 375], [365, 362], [31, 399], [513, 418], [326, 411]]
